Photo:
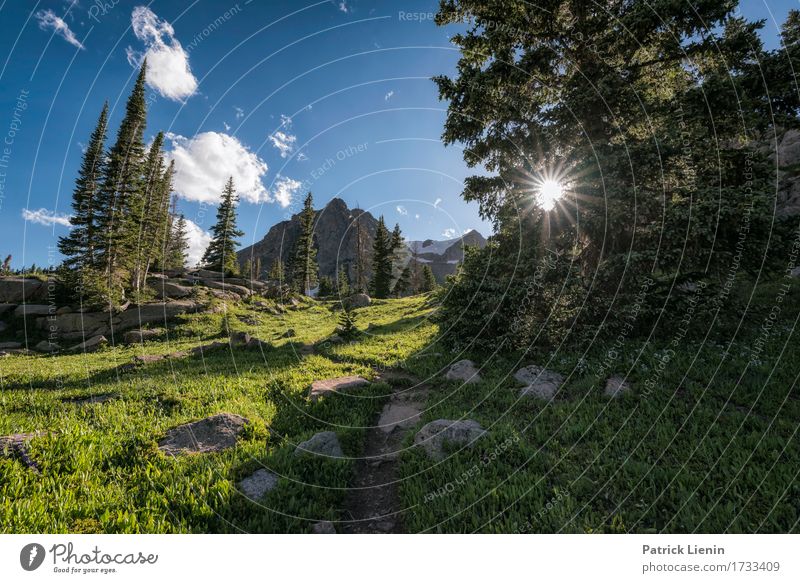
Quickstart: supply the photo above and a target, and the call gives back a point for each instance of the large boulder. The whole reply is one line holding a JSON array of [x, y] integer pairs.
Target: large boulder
[[212, 434], [47, 347], [139, 336], [73, 326], [539, 382], [207, 274], [464, 371], [29, 310], [357, 301], [16, 290], [324, 527], [227, 287], [136, 316], [435, 435], [335, 385], [10, 345], [324, 444], [166, 289], [257, 484]]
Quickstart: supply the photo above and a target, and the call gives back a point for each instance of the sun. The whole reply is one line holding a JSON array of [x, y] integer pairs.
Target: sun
[[549, 193]]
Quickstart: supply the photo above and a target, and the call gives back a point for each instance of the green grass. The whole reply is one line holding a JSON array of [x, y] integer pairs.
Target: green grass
[[712, 447]]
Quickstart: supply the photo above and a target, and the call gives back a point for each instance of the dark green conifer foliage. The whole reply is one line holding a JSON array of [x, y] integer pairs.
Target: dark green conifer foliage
[[221, 252], [78, 246], [382, 254], [304, 261], [428, 279], [177, 245]]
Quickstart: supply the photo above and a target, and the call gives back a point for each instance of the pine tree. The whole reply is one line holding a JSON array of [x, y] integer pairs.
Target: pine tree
[[347, 328], [428, 279], [122, 188], [256, 268], [304, 263], [79, 245], [403, 284], [381, 283], [175, 255], [343, 282], [360, 284], [277, 270], [147, 213], [326, 287], [221, 252]]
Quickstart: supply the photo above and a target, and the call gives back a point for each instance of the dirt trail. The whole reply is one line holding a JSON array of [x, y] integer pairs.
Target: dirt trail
[[372, 504]]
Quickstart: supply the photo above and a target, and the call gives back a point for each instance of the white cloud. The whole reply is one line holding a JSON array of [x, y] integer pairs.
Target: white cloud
[[239, 112], [168, 70], [204, 163], [198, 241], [227, 127], [301, 157], [436, 204], [344, 7], [45, 217], [284, 142], [416, 216], [388, 96], [47, 19], [285, 189], [401, 209], [449, 233]]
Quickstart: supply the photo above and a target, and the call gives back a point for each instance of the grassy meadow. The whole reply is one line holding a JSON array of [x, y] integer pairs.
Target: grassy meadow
[[707, 440]]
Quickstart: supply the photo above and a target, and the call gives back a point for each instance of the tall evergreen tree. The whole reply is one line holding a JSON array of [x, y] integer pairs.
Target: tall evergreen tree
[[78, 246], [221, 252], [428, 282], [175, 255], [277, 270], [402, 286], [123, 186], [342, 282], [360, 283], [381, 283], [304, 262]]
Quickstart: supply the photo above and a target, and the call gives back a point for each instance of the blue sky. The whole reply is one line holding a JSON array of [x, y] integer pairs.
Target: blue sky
[[333, 97]]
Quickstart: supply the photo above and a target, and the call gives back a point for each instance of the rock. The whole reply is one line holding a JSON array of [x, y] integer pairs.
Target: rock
[[148, 358], [433, 436], [46, 346], [357, 301], [206, 274], [10, 345], [395, 415], [323, 444], [16, 290], [617, 386], [139, 336], [465, 371], [73, 326], [324, 527], [256, 343], [540, 382], [240, 339], [29, 310], [93, 344], [6, 308], [212, 434], [136, 316], [165, 289], [3, 327], [199, 350], [335, 385], [796, 272], [228, 287], [290, 333], [257, 484]]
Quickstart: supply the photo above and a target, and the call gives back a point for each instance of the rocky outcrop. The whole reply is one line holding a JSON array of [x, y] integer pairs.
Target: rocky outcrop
[[617, 386], [17, 290], [443, 257], [357, 301], [212, 434], [93, 344], [139, 336], [436, 435]]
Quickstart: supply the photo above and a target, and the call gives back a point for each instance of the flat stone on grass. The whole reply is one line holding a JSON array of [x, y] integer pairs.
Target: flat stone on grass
[[212, 434], [336, 385], [541, 382], [617, 386], [258, 483], [436, 434], [465, 371], [324, 444]]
